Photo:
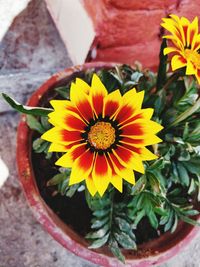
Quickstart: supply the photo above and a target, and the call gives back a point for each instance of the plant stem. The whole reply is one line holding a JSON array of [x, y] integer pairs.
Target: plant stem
[[171, 79], [186, 114]]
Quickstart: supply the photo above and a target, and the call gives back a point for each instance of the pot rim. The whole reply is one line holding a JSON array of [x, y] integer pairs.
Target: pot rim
[[60, 231]]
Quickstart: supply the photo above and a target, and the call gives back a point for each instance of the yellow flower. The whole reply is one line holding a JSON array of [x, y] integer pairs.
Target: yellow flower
[[104, 135], [185, 40]]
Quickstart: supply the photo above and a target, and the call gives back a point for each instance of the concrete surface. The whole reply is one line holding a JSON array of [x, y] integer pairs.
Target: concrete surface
[[30, 52]]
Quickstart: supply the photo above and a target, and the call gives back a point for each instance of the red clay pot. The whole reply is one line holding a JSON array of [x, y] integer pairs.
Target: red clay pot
[[151, 253]]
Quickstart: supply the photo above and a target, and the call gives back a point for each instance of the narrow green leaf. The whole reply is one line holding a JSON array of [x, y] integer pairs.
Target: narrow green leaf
[[36, 111], [99, 223], [63, 91], [45, 123], [169, 223], [99, 242], [100, 213], [125, 241], [98, 234], [34, 124], [58, 178], [153, 219], [116, 250], [123, 224], [72, 190], [183, 175], [174, 224]]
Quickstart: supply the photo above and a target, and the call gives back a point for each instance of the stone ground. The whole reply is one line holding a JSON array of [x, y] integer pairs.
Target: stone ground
[[30, 52]]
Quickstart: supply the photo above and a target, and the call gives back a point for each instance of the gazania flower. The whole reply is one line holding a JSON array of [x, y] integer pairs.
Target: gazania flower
[[103, 136], [185, 40]]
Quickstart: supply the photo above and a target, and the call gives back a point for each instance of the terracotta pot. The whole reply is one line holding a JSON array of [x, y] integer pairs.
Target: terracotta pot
[[151, 253]]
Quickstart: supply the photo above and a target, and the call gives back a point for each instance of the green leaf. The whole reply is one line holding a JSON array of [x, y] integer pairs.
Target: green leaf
[[139, 217], [100, 213], [161, 78], [139, 185], [99, 223], [99, 242], [189, 220], [98, 234], [123, 224], [34, 124], [58, 178], [116, 250], [45, 123], [63, 91], [125, 241], [40, 145], [183, 174], [153, 219], [72, 190], [36, 111], [169, 223], [174, 224]]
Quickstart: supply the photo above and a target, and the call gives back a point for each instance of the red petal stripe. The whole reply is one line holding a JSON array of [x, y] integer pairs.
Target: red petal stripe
[[138, 116], [132, 129], [86, 160], [111, 107], [116, 162], [124, 154], [70, 136], [132, 141], [74, 122], [101, 165], [85, 109], [132, 148], [97, 101], [78, 151], [125, 112]]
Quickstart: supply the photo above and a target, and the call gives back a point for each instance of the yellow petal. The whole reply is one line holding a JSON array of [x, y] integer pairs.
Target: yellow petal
[[133, 162], [190, 69], [82, 85], [68, 159], [116, 181], [61, 104], [97, 94], [90, 186], [168, 50], [54, 147], [178, 62], [82, 167], [122, 171], [67, 120], [111, 103], [82, 102], [97, 86], [147, 154]]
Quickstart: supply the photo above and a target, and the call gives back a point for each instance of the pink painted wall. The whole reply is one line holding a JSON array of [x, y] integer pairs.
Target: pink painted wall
[[129, 30]]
